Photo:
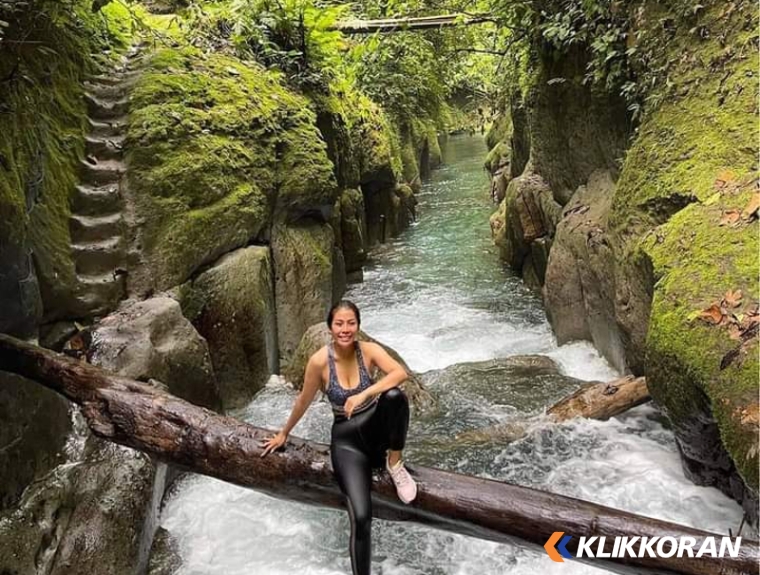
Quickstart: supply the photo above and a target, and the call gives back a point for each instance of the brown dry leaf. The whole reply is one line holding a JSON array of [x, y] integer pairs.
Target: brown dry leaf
[[735, 332], [751, 415], [733, 298], [730, 217], [724, 177], [750, 212], [712, 315]]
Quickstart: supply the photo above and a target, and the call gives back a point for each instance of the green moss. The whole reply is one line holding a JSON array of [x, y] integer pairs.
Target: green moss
[[216, 147], [497, 155], [697, 261], [372, 137], [500, 131], [43, 123], [697, 147]]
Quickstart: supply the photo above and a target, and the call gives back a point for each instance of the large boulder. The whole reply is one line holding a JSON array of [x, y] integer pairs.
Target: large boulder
[[36, 423], [527, 213], [153, 340], [231, 304], [303, 263], [217, 149], [318, 335], [580, 278], [95, 514]]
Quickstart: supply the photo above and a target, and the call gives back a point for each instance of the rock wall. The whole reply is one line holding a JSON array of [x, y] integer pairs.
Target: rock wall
[[645, 229]]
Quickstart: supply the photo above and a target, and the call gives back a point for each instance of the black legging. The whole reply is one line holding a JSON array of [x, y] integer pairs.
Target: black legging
[[359, 445]]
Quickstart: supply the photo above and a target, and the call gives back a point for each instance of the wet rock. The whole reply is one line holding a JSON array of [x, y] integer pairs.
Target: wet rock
[[303, 280], [152, 339], [580, 277], [232, 306], [35, 423], [526, 381], [165, 557], [318, 335], [93, 515]]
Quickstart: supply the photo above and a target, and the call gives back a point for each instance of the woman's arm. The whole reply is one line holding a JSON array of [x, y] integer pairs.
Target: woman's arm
[[312, 382], [395, 374]]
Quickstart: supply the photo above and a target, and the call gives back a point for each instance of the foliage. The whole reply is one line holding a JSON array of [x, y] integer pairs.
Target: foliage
[[293, 36], [601, 27]]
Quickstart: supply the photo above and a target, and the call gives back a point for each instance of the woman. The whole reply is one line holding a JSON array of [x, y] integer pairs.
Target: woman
[[371, 420]]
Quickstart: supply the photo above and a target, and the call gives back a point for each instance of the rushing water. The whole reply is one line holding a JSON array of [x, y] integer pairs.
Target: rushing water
[[439, 296]]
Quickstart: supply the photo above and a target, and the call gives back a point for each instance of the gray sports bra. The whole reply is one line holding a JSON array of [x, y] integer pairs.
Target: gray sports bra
[[336, 393]]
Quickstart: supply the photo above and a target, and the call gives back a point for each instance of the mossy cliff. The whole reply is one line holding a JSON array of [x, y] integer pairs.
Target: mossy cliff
[[645, 225], [217, 151], [44, 57]]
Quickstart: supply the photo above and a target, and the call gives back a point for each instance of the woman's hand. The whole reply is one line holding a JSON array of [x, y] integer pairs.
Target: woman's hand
[[353, 402], [274, 443]]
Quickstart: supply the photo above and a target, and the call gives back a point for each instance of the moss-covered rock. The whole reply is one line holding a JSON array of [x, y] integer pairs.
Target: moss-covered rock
[[646, 256], [303, 264], [216, 149], [232, 306], [44, 58], [694, 161], [353, 229]]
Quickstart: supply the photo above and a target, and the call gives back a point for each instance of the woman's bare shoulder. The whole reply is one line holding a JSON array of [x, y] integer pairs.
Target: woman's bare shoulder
[[370, 349], [319, 357]]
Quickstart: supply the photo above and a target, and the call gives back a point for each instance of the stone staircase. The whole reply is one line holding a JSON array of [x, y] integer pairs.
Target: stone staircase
[[97, 223]]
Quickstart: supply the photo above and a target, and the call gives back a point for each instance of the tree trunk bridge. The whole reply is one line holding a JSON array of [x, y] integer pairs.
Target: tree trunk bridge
[[142, 417], [390, 25]]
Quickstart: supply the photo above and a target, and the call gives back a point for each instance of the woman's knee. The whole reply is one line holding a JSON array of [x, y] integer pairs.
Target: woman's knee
[[362, 517], [395, 395]]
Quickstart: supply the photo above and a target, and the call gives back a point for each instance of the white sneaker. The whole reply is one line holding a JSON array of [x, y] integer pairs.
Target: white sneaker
[[405, 485]]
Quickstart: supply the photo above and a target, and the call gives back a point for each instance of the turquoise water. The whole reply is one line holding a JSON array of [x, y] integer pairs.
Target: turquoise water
[[439, 295]]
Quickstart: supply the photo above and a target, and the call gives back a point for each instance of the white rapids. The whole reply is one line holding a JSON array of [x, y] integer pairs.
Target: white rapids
[[439, 296]]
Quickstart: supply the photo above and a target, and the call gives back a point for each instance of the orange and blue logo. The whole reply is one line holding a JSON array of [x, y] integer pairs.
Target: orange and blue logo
[[560, 551]]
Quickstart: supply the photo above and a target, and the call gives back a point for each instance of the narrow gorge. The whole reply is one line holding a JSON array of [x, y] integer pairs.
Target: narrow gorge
[[187, 187]]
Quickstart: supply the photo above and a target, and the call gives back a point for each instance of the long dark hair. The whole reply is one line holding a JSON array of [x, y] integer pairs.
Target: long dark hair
[[343, 304]]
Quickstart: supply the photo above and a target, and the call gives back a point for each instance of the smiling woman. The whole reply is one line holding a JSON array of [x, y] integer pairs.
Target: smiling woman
[[370, 425]]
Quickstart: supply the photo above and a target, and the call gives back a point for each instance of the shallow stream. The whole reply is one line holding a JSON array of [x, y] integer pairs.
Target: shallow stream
[[439, 296]]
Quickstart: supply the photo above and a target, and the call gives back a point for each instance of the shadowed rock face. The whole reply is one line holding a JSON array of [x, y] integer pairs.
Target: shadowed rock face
[[153, 340], [35, 424], [642, 245], [232, 306]]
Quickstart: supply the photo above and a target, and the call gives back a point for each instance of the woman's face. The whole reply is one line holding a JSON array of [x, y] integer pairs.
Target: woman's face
[[344, 327]]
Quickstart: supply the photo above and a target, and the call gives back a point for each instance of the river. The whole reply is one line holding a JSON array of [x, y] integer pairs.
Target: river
[[439, 295]]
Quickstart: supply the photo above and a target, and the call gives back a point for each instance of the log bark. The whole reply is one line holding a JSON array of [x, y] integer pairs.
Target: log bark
[[593, 401], [601, 400], [390, 25], [147, 419]]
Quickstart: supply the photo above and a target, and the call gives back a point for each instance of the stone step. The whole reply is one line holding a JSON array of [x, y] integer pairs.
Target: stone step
[[98, 257], [109, 91], [96, 200], [105, 109], [93, 228], [105, 148], [99, 293], [109, 129], [114, 78], [100, 173]]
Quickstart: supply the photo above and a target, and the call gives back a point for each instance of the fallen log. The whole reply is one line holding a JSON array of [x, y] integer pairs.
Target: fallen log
[[147, 419], [592, 400], [389, 25]]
